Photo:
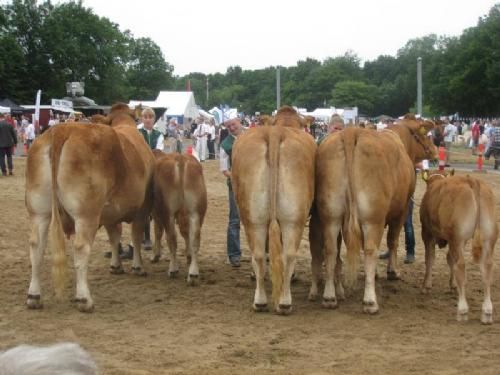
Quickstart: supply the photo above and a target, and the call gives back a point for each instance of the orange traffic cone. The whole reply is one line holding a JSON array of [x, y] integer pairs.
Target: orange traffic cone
[[442, 158]]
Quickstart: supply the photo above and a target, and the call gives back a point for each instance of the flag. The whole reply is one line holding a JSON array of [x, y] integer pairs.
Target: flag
[[37, 111]]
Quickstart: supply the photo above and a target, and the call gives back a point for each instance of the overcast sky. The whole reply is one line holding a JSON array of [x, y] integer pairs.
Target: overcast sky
[[209, 36]]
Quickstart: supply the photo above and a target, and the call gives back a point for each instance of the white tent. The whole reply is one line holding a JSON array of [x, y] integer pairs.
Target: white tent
[[4, 109]]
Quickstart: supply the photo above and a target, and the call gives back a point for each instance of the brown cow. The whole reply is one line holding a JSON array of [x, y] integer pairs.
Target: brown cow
[[273, 182], [454, 210], [83, 176], [180, 196], [364, 180]]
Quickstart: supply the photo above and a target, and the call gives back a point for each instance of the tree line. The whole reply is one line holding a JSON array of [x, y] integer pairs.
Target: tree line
[[45, 45]]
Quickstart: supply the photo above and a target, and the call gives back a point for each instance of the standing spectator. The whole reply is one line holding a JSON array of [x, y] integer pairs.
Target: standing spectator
[[475, 136], [29, 134], [154, 139], [450, 131], [172, 134], [200, 135], [211, 140], [8, 139], [336, 124], [234, 128], [223, 133]]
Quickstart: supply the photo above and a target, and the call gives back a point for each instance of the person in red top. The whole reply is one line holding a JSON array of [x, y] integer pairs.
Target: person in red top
[[476, 132]]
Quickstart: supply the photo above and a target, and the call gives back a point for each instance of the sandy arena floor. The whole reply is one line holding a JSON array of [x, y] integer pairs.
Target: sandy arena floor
[[156, 325]]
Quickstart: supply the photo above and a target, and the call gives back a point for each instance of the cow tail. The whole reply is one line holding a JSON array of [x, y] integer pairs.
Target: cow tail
[[275, 246], [477, 247], [352, 230], [58, 244]]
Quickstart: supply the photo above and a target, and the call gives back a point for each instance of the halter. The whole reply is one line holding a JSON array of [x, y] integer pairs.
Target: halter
[[419, 141]]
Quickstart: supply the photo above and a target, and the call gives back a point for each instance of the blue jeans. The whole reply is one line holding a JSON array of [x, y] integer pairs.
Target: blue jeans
[[233, 229], [409, 234]]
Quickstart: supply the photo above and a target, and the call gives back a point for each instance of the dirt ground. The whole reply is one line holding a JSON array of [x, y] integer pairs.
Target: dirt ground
[[156, 325]]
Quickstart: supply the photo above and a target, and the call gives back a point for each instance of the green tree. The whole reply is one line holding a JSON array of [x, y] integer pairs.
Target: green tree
[[147, 71], [355, 94]]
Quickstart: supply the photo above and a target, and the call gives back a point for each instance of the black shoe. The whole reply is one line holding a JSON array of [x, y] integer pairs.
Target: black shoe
[[11, 173], [129, 254], [410, 258], [235, 262], [384, 255]]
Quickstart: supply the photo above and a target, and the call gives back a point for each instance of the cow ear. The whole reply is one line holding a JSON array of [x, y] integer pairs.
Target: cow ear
[[425, 175]]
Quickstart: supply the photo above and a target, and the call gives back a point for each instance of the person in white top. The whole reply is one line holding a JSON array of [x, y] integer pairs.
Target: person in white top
[[450, 132], [200, 135], [211, 140], [29, 134]]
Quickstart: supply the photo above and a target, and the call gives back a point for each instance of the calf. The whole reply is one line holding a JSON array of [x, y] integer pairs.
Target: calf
[[454, 210], [179, 195]]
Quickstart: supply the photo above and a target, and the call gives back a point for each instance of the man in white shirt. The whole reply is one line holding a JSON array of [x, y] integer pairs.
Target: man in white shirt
[[450, 132], [29, 134], [200, 135], [211, 140]]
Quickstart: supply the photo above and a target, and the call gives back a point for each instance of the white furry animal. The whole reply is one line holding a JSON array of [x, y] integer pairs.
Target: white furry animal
[[59, 359]]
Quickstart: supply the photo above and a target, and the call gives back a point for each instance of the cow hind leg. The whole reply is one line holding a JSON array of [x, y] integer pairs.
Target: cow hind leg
[[173, 267], [486, 265], [373, 236], [330, 235], [193, 247], [257, 235], [317, 257], [291, 236], [84, 238], [114, 234], [159, 228], [430, 250], [456, 250], [451, 262], [137, 237], [38, 243], [393, 243]]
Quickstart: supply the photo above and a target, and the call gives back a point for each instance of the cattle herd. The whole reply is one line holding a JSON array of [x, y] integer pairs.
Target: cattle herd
[[351, 187]]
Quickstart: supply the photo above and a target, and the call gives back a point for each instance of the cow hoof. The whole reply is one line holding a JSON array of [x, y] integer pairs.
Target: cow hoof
[[260, 307], [462, 317], [340, 294], [392, 276], [34, 302], [487, 318], [312, 297], [330, 303], [370, 307], [173, 274], [426, 290], [138, 271], [155, 259], [83, 305], [284, 309], [116, 270], [193, 280]]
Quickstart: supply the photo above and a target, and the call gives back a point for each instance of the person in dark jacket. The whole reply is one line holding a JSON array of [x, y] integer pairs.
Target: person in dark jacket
[[8, 139]]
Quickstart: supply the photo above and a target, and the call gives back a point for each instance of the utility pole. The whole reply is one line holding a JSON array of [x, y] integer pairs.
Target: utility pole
[[419, 86], [278, 88], [207, 93]]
